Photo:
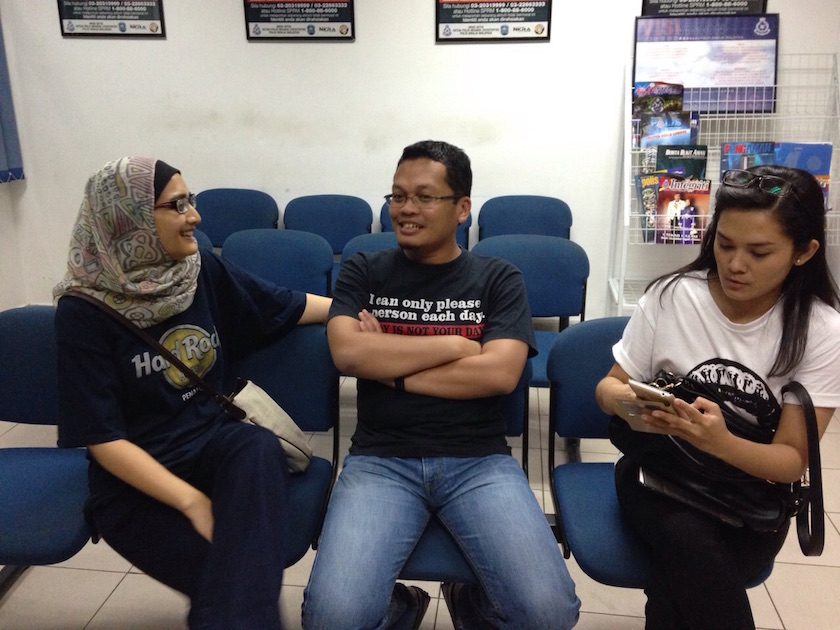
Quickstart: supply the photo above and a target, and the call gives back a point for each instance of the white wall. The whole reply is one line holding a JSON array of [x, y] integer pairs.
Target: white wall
[[297, 118]]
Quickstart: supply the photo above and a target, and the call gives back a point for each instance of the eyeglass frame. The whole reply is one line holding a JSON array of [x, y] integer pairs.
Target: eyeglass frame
[[181, 205], [426, 200], [756, 179]]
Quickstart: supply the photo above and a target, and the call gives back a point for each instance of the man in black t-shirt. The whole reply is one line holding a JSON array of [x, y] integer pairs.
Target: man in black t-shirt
[[435, 336]]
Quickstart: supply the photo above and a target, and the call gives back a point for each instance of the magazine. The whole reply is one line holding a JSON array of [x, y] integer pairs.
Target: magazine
[[686, 160], [647, 190], [655, 97], [814, 157], [668, 128], [683, 210], [745, 155]]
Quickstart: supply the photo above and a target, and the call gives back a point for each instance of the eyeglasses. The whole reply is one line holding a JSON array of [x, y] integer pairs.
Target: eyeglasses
[[421, 201], [767, 183], [180, 205]]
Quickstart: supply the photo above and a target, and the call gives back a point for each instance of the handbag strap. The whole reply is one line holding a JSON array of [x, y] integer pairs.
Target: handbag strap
[[226, 403], [810, 517]]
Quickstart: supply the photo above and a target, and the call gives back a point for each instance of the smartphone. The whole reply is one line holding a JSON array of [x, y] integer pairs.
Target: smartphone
[[651, 392], [648, 398]]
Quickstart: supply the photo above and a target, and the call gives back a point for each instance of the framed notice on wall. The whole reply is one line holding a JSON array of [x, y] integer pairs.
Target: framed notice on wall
[[115, 18], [677, 8], [295, 20], [726, 64], [467, 20]]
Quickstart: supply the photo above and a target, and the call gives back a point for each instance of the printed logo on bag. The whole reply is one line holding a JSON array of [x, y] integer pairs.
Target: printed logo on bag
[[192, 344], [745, 391]]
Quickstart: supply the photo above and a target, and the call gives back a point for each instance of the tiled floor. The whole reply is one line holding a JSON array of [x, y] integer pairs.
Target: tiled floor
[[98, 589]]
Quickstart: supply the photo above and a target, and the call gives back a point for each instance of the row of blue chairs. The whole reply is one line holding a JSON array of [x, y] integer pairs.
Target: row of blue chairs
[[43, 490], [555, 269], [338, 218]]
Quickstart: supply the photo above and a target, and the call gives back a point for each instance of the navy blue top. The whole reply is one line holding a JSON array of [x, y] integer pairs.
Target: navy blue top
[[478, 297], [112, 385]]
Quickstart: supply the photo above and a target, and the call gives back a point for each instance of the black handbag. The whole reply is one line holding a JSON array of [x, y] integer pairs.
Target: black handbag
[[706, 482]]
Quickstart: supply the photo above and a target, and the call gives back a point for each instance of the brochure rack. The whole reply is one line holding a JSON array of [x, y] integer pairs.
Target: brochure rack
[[807, 109]]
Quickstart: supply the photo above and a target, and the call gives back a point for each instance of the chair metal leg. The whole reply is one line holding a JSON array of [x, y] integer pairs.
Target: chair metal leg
[[8, 575], [573, 449]]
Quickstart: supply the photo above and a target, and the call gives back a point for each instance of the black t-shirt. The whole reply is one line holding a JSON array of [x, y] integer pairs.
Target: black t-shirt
[[112, 385], [477, 297]]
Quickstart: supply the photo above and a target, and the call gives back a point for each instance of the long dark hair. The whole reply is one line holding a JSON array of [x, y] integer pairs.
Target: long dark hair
[[801, 215]]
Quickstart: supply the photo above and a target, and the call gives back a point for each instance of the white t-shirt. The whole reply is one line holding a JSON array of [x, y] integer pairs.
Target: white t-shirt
[[682, 330]]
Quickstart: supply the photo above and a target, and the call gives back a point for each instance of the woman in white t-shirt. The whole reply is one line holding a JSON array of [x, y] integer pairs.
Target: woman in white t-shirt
[[756, 309]]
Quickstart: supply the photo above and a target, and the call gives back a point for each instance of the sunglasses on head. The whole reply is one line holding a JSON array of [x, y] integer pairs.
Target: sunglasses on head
[[767, 183]]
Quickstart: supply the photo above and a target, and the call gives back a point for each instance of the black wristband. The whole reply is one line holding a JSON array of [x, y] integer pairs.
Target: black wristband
[[399, 383]]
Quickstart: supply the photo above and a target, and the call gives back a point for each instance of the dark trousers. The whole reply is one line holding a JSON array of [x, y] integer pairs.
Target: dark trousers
[[700, 566], [235, 581]]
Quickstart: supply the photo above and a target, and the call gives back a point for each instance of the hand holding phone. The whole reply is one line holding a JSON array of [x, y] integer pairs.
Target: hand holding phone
[[648, 398]]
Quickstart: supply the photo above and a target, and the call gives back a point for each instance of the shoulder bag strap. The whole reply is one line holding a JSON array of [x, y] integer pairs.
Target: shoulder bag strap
[[226, 403], [810, 518]]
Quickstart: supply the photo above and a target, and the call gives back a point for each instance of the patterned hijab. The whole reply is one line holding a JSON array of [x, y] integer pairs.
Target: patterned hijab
[[115, 253]]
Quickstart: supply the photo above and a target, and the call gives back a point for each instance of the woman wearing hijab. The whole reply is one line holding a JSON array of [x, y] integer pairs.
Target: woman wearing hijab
[[179, 488]]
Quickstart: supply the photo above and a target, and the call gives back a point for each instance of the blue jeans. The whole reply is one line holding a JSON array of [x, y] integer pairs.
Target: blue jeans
[[379, 509]]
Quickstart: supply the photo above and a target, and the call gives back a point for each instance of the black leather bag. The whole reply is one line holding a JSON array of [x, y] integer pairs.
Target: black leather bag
[[702, 480]]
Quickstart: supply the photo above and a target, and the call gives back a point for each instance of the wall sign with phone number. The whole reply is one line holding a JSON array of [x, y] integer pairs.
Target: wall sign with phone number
[[465, 20]]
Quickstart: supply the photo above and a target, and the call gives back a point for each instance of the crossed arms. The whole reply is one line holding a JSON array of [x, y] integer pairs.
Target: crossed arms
[[446, 366]]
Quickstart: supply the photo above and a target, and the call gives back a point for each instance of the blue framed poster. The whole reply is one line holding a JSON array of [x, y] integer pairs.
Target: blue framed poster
[[726, 64]]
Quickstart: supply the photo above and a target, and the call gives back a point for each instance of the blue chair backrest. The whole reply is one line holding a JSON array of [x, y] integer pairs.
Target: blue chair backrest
[[227, 210], [202, 239], [582, 356], [555, 270], [337, 218], [524, 214], [373, 242], [28, 365], [297, 371], [515, 405], [462, 234], [292, 259]]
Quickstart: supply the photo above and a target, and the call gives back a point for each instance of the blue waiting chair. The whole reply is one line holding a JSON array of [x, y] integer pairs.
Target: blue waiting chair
[[588, 520], [524, 214], [202, 239], [42, 489], [297, 371], [462, 233], [337, 218], [373, 242], [555, 271], [227, 210], [292, 259], [437, 557]]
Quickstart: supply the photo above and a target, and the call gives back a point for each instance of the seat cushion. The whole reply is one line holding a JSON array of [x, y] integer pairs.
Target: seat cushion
[[42, 497], [603, 545], [437, 558]]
